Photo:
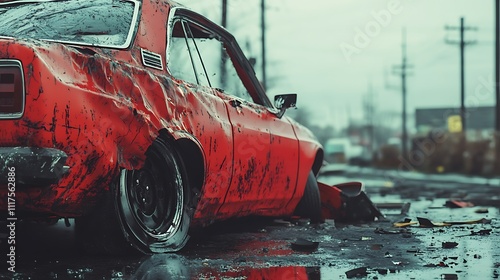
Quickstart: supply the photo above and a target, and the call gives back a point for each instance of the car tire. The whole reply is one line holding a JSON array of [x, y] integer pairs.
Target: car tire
[[146, 208], [310, 204], [153, 203]]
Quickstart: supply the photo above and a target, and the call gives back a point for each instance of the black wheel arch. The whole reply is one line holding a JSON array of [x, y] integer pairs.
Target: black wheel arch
[[310, 204], [193, 160], [318, 161]]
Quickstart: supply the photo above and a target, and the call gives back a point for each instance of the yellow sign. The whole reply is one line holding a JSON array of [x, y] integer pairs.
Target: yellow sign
[[454, 123]]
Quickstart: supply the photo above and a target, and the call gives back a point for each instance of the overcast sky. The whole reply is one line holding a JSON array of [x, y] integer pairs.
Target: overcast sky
[[329, 52]]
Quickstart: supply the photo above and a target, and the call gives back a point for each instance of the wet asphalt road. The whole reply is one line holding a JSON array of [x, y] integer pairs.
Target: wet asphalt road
[[262, 248]]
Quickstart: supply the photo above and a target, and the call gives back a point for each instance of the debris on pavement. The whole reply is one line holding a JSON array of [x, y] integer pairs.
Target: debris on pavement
[[449, 276], [471, 222], [449, 245], [385, 231], [424, 222], [414, 251], [406, 223], [304, 245], [440, 264], [357, 272], [482, 211], [481, 232], [347, 202], [458, 204]]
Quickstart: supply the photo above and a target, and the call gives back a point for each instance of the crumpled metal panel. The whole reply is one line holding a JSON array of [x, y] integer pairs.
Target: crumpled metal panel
[[72, 104]]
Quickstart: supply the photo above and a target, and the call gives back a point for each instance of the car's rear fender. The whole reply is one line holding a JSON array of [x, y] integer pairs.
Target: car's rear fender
[[81, 104]]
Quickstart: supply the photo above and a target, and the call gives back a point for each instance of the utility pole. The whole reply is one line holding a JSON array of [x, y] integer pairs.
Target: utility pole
[[369, 110], [224, 13], [462, 43], [497, 68], [223, 52], [263, 40], [497, 83], [402, 71]]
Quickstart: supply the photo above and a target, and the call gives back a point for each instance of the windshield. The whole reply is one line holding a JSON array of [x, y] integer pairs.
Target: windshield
[[108, 23]]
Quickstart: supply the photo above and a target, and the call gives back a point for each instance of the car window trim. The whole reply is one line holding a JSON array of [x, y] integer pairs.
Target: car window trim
[[189, 51], [197, 50]]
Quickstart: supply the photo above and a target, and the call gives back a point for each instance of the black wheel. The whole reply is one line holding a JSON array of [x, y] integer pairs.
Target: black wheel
[[147, 208], [152, 203], [310, 204]]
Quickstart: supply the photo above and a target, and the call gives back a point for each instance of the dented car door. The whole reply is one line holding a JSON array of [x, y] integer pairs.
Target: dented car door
[[265, 148], [265, 160]]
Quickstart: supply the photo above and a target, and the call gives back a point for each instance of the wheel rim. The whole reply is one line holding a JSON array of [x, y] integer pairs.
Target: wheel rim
[[151, 200]]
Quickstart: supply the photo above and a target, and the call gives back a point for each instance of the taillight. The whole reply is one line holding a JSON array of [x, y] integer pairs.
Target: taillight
[[11, 89]]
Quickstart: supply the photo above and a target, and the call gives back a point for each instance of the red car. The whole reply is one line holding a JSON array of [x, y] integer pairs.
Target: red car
[[143, 120]]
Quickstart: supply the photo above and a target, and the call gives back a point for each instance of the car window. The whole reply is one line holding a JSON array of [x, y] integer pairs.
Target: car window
[[200, 56], [108, 23]]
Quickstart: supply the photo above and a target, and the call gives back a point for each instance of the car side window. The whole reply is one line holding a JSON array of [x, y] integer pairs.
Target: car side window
[[198, 55], [183, 61]]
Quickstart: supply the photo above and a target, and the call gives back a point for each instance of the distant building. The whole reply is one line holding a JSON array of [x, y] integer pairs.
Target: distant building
[[479, 119]]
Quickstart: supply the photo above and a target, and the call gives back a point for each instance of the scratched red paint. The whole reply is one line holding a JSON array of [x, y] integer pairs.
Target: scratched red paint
[[104, 108]]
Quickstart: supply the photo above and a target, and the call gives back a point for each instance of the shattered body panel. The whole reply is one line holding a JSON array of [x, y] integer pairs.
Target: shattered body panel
[[102, 108]]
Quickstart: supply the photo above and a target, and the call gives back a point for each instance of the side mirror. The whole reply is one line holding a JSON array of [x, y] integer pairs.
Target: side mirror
[[283, 102]]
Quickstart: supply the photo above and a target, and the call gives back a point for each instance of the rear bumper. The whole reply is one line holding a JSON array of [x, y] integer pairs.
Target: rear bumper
[[34, 166]]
